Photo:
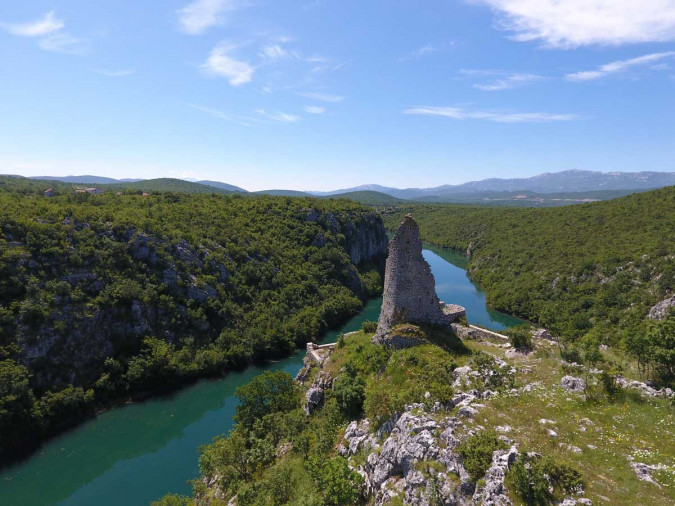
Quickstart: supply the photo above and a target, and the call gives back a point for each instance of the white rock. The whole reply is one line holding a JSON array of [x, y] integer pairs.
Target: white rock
[[573, 384]]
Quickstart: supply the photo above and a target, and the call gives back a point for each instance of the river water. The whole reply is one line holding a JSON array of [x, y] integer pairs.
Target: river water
[[137, 453]]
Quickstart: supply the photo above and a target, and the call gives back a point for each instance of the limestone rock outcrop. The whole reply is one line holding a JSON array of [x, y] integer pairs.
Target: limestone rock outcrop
[[573, 384], [660, 310], [409, 286]]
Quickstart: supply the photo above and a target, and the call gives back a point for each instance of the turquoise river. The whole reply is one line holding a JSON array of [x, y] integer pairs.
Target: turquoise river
[[134, 454]]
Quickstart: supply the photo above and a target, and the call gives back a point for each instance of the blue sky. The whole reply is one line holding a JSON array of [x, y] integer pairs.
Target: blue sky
[[326, 94]]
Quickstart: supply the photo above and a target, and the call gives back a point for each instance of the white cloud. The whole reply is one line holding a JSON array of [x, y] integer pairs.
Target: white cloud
[[62, 42], [240, 120], [278, 116], [574, 23], [618, 66], [115, 73], [198, 16], [509, 82], [425, 50], [221, 64], [277, 52], [50, 32], [322, 97], [48, 24], [499, 117], [313, 109]]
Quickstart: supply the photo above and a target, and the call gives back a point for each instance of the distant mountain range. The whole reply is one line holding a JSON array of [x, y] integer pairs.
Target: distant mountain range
[[85, 179], [554, 188], [550, 182]]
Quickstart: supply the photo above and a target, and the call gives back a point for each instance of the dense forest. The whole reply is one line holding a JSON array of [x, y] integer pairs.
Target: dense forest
[[106, 297], [590, 273]]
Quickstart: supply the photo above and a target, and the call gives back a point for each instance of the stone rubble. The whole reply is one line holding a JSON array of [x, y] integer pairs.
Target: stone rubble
[[573, 384], [315, 395], [644, 388], [661, 310]]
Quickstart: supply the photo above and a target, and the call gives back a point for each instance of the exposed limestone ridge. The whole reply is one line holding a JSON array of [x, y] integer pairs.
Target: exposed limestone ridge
[[409, 286]]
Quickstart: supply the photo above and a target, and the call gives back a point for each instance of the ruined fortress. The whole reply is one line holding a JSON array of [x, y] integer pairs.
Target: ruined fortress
[[409, 286]]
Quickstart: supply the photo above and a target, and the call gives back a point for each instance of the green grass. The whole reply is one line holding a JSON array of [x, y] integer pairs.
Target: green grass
[[635, 426]]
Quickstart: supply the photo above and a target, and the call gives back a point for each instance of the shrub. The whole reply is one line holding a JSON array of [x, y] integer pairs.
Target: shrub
[[173, 500], [661, 338], [267, 393], [349, 392], [339, 484], [571, 354], [280, 483], [477, 450], [542, 480], [492, 375], [520, 337], [369, 327]]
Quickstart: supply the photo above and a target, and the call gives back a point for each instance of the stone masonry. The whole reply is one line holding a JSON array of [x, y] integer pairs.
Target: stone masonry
[[409, 286]]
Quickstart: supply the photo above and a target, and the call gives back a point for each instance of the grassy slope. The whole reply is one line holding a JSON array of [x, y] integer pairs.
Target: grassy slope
[[632, 426], [577, 268], [629, 426]]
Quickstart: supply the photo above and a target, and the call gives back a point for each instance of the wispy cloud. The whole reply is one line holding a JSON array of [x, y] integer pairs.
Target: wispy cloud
[[340, 65], [240, 120], [115, 73], [574, 23], [618, 67], [200, 15], [508, 82], [50, 32], [277, 52], [425, 50], [221, 64], [313, 109], [282, 117], [62, 42], [322, 97], [499, 117], [38, 28]]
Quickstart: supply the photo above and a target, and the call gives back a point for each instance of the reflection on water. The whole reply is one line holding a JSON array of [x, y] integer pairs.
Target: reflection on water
[[139, 452], [454, 286]]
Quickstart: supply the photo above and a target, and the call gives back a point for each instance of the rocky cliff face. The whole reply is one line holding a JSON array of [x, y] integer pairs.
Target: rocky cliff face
[[97, 317], [366, 239], [409, 286]]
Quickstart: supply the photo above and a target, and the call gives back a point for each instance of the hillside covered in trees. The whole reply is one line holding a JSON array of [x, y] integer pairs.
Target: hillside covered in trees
[[106, 297], [589, 273]]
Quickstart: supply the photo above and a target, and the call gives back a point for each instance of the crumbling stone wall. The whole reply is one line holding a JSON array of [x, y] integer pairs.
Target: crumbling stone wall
[[409, 286]]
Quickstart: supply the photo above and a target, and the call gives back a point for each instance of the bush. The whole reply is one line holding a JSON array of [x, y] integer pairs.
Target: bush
[[340, 485], [491, 375], [369, 327], [477, 450], [173, 500], [661, 338], [572, 354], [542, 480], [349, 392], [520, 337], [267, 393]]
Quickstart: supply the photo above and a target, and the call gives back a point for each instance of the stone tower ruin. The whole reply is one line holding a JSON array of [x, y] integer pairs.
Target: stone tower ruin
[[409, 286]]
